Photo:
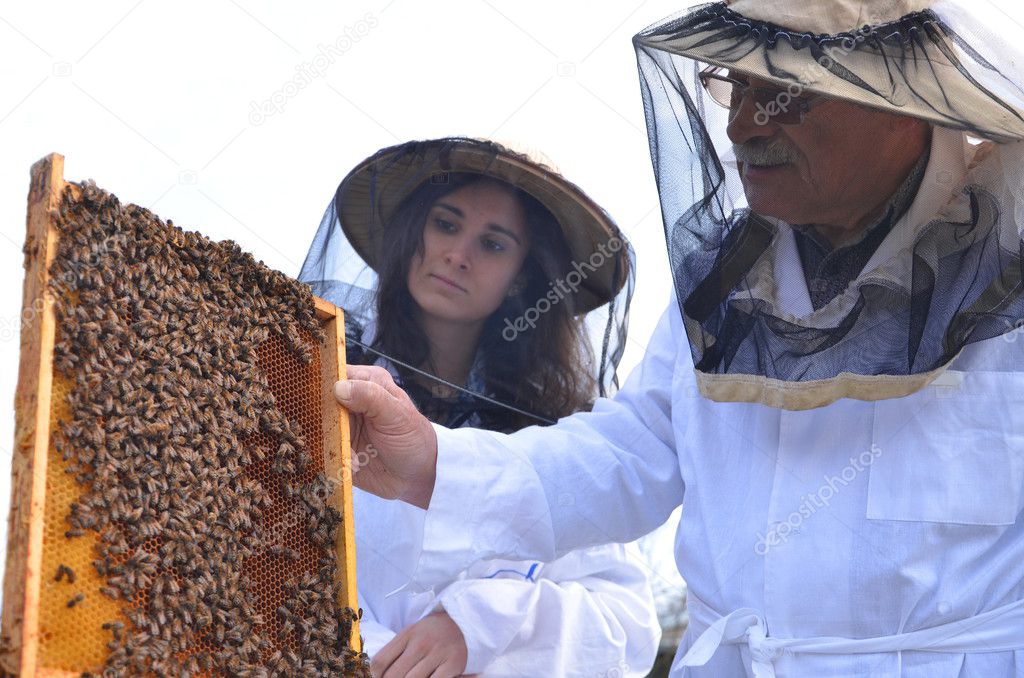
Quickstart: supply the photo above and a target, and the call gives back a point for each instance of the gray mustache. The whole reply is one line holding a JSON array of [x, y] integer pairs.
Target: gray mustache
[[761, 152]]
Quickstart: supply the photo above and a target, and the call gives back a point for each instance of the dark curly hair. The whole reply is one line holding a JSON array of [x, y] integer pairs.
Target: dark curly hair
[[548, 369]]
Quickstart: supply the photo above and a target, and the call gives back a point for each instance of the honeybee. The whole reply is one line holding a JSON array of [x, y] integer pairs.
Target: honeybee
[[65, 571]]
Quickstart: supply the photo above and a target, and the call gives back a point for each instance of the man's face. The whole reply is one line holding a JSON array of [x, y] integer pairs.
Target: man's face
[[838, 167]]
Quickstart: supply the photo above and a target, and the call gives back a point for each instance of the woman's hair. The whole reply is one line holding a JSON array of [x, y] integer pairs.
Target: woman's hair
[[547, 369]]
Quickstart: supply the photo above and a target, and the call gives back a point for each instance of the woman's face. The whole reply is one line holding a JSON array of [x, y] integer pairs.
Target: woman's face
[[474, 242]]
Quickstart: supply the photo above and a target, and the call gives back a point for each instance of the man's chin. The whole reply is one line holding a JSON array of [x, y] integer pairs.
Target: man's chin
[[768, 203]]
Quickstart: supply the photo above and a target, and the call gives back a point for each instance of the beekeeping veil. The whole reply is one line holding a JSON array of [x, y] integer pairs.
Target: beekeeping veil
[[593, 264], [948, 273]]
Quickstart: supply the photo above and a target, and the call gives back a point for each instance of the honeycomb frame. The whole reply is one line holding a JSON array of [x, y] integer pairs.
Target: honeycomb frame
[[32, 599]]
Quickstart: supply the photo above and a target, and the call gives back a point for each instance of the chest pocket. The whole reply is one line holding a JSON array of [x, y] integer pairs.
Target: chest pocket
[[951, 453]]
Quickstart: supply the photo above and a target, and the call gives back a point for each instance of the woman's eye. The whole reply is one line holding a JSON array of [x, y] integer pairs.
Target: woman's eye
[[493, 245], [445, 225]]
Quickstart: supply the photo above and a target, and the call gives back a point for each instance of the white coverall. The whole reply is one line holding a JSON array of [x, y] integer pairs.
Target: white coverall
[[590, 613], [858, 539]]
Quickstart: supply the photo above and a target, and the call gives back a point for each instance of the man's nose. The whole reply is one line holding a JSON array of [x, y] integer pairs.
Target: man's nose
[[748, 122]]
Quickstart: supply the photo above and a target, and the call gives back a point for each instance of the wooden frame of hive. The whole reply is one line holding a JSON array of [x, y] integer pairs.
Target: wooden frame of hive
[[33, 449]]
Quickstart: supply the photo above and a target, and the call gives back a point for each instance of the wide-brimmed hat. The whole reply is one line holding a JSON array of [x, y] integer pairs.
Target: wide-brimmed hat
[[371, 193], [895, 55]]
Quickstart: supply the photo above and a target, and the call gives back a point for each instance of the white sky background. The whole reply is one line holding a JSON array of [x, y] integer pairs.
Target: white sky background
[[155, 102]]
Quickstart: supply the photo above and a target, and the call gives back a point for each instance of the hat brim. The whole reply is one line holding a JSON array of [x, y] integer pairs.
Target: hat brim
[[373, 191], [868, 78]]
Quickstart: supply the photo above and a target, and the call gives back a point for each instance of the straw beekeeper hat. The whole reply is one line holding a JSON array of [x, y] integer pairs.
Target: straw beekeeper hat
[[371, 193], [896, 55]]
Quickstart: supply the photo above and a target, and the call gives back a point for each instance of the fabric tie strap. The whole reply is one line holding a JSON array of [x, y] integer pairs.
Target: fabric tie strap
[[998, 630]]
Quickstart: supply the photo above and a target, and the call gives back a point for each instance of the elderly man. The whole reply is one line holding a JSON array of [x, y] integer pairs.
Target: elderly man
[[835, 394]]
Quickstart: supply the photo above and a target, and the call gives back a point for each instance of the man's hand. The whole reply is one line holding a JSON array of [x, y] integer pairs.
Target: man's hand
[[433, 647], [394, 447]]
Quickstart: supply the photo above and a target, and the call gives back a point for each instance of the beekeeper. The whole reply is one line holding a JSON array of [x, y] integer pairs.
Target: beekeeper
[[436, 250], [835, 393]]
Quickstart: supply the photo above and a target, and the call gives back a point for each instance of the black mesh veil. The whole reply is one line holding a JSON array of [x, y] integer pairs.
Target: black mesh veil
[[948, 273], [581, 269]]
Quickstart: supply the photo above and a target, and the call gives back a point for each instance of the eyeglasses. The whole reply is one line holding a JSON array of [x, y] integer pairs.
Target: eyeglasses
[[772, 104]]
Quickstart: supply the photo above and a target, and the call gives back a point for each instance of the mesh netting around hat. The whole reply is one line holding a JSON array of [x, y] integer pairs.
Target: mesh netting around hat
[[511, 348], [938, 281]]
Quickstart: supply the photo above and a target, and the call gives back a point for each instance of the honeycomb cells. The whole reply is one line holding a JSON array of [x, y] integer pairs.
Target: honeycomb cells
[[71, 639], [188, 444], [296, 390]]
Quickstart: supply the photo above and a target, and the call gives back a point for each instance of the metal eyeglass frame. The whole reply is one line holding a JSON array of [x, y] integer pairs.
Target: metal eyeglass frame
[[762, 96]]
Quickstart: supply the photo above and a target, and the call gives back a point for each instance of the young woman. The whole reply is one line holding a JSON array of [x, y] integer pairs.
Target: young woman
[[482, 264]]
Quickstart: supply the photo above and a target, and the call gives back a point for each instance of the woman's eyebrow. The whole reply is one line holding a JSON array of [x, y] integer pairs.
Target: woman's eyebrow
[[505, 231], [492, 226], [453, 209]]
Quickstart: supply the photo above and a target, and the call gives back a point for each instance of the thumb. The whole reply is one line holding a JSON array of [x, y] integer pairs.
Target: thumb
[[368, 399]]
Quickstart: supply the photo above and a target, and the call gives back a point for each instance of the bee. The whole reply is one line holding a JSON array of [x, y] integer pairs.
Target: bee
[[187, 390], [65, 571], [79, 597], [115, 628]]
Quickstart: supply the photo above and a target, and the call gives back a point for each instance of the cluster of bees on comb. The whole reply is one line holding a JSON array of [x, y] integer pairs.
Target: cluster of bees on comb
[[209, 512]]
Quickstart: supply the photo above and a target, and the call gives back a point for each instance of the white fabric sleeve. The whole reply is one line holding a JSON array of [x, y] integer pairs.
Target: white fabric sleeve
[[610, 475], [590, 613]]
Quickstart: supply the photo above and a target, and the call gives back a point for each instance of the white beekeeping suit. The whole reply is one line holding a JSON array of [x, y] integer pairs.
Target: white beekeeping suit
[[851, 471], [589, 613]]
